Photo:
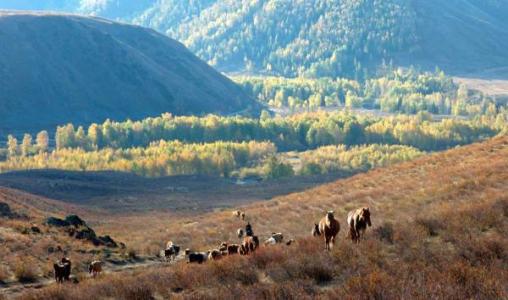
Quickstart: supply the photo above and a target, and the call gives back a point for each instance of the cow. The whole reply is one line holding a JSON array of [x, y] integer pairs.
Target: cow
[[229, 248], [278, 237], [196, 257], [62, 270], [95, 268], [358, 220], [172, 252], [215, 254], [329, 228]]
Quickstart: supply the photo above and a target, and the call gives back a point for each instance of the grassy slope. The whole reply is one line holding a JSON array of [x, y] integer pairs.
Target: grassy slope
[[75, 69], [28, 255], [439, 230]]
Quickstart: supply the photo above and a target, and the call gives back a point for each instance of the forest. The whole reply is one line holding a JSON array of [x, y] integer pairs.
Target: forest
[[405, 91]]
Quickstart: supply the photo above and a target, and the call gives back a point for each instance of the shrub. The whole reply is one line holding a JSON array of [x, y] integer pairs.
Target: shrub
[[25, 270], [384, 233]]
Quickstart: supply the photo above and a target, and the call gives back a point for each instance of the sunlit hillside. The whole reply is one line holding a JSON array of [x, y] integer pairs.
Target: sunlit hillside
[[439, 230]]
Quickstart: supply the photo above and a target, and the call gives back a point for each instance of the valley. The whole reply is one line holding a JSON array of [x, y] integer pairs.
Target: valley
[[254, 149]]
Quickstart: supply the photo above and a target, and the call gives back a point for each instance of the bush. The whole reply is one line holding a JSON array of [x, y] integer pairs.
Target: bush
[[25, 270]]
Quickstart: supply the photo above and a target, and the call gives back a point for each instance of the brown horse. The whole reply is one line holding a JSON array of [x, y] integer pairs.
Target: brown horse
[[249, 245], [358, 220], [329, 228]]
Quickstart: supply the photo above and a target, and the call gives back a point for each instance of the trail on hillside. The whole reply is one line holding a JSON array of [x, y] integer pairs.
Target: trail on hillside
[[13, 289]]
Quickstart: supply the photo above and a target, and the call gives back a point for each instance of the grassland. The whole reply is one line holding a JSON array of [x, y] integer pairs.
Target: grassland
[[439, 231]]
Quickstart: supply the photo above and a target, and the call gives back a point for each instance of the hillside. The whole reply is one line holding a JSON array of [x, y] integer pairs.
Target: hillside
[[322, 38], [58, 68], [443, 217]]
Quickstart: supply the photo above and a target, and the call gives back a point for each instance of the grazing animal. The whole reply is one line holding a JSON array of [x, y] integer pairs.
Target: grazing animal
[[250, 244], [229, 249], [95, 268], [239, 233], [358, 220], [196, 257], [290, 242], [270, 241], [278, 237], [243, 215], [329, 228], [171, 252], [215, 254], [315, 230], [237, 213], [62, 270], [248, 230]]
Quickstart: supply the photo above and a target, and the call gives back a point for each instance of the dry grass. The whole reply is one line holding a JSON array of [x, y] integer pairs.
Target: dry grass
[[440, 228], [28, 256]]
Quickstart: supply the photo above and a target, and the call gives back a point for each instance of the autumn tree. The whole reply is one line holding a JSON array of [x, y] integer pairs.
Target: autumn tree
[[42, 141], [26, 145]]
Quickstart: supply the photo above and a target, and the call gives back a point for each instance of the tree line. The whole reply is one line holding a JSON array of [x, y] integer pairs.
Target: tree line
[[161, 158], [298, 132], [398, 91]]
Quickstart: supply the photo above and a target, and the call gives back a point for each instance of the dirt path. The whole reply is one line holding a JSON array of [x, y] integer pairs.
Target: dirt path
[[14, 289]]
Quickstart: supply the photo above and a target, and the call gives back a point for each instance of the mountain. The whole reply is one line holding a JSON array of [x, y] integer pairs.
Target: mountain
[[324, 37], [341, 38], [57, 68]]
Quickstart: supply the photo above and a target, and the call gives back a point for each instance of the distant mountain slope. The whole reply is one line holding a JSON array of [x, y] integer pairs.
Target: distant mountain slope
[[63, 68], [325, 37]]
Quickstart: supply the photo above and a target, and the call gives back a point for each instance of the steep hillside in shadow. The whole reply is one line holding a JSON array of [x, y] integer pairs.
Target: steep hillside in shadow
[[64, 68]]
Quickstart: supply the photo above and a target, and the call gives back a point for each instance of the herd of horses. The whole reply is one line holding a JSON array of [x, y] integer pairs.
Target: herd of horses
[[327, 228]]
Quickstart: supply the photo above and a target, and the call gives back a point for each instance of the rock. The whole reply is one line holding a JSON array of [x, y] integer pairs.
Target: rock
[[108, 241], [35, 229], [5, 210], [57, 222], [85, 233], [75, 220]]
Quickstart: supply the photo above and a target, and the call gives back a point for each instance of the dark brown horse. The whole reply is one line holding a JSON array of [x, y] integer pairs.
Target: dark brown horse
[[329, 228], [358, 220]]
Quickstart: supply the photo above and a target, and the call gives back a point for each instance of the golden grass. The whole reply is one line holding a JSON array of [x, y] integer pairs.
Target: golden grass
[[439, 230]]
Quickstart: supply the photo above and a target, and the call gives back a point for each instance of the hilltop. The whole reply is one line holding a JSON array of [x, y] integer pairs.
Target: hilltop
[[58, 68]]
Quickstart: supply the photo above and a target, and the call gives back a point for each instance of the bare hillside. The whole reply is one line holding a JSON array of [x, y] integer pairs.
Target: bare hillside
[[58, 68]]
